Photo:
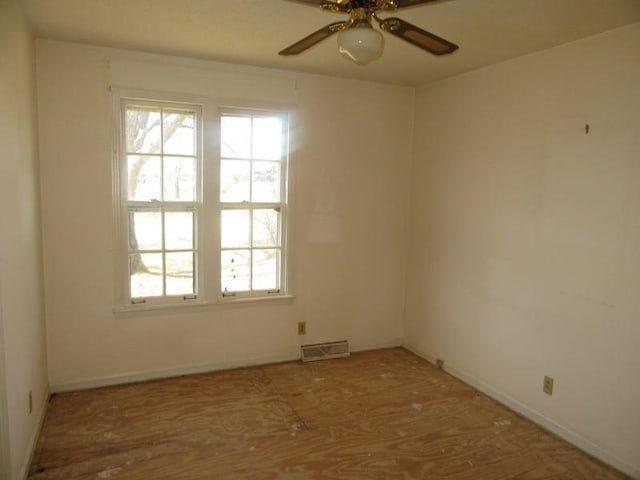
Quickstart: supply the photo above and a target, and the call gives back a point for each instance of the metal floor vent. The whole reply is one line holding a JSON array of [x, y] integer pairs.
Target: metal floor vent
[[324, 351]]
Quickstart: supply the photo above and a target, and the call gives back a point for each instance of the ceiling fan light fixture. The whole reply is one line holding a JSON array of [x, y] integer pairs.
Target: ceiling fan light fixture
[[361, 43]]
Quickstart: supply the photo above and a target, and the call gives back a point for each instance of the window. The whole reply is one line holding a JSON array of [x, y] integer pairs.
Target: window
[[197, 224], [252, 152]]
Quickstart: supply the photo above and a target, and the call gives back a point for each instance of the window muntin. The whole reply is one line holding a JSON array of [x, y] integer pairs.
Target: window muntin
[[253, 155], [162, 156]]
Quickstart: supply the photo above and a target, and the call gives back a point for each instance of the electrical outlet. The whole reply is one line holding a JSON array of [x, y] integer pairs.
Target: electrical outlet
[[547, 385], [302, 328], [439, 363], [30, 402]]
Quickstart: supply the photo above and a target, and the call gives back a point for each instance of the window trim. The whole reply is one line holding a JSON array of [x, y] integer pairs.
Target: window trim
[[209, 268]]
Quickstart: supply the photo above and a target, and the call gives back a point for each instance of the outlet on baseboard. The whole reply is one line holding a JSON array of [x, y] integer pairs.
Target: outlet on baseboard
[[439, 362]]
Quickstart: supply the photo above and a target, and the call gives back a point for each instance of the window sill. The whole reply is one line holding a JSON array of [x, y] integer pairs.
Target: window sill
[[227, 303]]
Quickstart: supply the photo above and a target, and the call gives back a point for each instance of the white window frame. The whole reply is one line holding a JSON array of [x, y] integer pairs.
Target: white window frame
[[207, 240]]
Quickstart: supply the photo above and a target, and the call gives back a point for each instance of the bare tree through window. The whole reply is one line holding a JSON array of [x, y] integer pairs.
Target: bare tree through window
[[160, 149]]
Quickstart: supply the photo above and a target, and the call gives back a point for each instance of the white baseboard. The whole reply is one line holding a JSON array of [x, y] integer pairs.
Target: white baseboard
[[545, 422], [35, 435], [134, 377], [378, 346]]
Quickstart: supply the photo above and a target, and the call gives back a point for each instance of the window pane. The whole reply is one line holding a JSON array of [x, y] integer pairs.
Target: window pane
[[235, 137], [236, 270], [265, 269], [179, 133], [146, 274], [145, 230], [267, 138], [143, 182], [266, 228], [142, 130], [235, 228], [179, 179], [178, 230], [234, 181], [266, 182], [180, 273]]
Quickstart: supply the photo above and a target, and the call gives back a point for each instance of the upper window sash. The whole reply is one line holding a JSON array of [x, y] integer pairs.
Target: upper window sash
[[161, 151]]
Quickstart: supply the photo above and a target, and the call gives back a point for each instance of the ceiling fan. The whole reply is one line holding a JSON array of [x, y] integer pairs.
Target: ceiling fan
[[358, 40]]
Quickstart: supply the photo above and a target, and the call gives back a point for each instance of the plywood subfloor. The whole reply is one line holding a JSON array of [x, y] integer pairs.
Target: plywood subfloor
[[385, 414]]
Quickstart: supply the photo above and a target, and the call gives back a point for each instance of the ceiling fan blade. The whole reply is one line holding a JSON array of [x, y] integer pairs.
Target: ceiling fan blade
[[316, 37], [412, 3], [418, 37]]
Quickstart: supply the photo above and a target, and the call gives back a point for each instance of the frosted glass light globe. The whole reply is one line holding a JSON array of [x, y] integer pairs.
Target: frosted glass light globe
[[360, 44]]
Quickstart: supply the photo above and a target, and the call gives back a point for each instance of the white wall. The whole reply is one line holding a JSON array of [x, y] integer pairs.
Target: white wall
[[523, 253], [525, 246], [351, 161], [22, 337]]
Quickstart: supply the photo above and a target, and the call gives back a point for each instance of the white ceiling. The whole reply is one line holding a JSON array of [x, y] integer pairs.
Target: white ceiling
[[253, 31]]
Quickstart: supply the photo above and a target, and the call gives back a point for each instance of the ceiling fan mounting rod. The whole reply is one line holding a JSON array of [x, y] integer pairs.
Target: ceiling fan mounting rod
[[352, 5], [360, 15]]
